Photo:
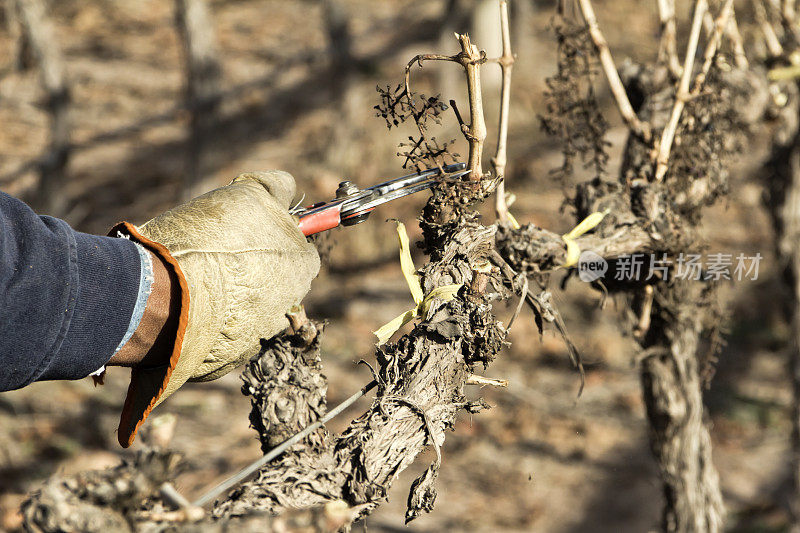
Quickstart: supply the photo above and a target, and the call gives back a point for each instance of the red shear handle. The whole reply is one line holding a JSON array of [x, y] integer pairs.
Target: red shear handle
[[324, 220]]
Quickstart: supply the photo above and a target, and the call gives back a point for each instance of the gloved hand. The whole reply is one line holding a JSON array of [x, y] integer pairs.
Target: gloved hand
[[241, 263]]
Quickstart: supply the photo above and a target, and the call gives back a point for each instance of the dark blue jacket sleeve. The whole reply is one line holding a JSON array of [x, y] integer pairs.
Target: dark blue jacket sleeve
[[66, 297]]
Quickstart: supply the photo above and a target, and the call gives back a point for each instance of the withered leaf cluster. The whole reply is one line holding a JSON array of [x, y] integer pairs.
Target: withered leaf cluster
[[572, 114], [421, 150]]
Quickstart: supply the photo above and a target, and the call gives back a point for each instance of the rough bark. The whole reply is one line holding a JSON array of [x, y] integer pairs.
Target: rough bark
[[670, 368], [124, 499], [679, 438], [421, 379], [782, 183], [99, 501]]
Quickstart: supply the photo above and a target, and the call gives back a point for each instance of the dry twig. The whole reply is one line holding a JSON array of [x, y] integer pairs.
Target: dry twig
[[684, 93], [471, 59], [506, 62], [518, 310], [736, 41], [788, 11], [665, 145], [184, 510], [667, 49], [731, 30], [720, 24], [767, 31], [475, 379], [640, 128], [644, 316]]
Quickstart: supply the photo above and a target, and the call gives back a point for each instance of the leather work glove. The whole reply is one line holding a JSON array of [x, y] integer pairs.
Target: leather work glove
[[241, 263]]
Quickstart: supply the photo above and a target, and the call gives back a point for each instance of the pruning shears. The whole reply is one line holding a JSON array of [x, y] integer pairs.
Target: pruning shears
[[352, 205]]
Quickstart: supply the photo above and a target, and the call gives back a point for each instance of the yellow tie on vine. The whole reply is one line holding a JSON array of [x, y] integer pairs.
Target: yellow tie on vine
[[588, 223], [423, 303]]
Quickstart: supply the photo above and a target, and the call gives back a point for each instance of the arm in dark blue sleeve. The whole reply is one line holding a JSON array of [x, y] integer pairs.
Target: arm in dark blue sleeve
[[66, 297]]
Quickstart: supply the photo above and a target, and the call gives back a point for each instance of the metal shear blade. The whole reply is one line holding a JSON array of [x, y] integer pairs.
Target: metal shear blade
[[353, 205]]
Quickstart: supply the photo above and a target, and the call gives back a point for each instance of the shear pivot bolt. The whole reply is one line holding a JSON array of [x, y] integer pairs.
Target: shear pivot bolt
[[346, 188]]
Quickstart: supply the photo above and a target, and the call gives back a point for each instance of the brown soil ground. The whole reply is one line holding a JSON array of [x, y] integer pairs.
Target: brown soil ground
[[538, 460]]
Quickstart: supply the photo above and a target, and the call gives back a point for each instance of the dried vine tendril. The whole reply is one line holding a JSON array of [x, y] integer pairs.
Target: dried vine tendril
[[421, 150], [572, 113]]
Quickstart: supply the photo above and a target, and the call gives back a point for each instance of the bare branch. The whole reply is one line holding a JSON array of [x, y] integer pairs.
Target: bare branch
[[643, 324], [787, 14], [471, 58], [506, 62], [667, 48], [615, 83], [549, 252], [711, 49], [665, 146], [185, 510], [683, 93], [768, 32], [788, 11], [708, 24], [418, 59], [475, 379], [522, 293], [253, 467], [737, 42], [732, 32]]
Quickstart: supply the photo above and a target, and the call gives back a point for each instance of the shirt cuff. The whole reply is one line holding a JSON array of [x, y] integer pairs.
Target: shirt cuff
[[107, 274]]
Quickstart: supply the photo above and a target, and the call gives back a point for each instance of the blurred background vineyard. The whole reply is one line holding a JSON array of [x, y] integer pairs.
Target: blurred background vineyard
[[293, 88]]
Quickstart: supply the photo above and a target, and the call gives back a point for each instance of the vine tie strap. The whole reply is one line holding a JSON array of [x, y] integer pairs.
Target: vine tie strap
[[588, 223], [423, 303]]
